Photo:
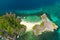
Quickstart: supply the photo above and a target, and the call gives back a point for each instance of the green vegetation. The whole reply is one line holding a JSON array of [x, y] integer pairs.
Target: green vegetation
[[47, 35], [34, 27], [28, 36], [10, 26], [41, 25]]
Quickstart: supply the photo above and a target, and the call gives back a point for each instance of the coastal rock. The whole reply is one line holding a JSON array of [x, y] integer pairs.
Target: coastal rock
[[46, 25]]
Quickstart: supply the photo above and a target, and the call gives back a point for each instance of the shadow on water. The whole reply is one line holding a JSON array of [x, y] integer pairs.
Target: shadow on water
[[48, 36], [44, 36]]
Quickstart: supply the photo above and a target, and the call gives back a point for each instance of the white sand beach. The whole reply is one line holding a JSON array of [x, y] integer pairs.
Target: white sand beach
[[29, 25], [44, 25]]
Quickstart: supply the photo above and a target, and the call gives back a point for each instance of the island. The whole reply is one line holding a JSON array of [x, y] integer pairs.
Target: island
[[10, 27], [45, 25]]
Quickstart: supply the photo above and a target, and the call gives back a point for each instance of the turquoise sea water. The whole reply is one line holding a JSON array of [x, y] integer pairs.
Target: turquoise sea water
[[31, 9], [53, 12]]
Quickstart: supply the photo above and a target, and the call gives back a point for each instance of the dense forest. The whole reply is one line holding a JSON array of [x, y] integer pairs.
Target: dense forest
[[10, 26]]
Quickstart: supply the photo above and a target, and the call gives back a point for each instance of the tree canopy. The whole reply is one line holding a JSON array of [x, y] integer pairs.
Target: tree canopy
[[10, 26]]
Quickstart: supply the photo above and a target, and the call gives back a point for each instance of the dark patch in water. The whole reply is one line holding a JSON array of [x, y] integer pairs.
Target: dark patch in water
[[44, 36]]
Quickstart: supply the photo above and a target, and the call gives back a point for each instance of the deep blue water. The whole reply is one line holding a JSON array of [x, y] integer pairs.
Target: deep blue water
[[24, 4], [52, 7]]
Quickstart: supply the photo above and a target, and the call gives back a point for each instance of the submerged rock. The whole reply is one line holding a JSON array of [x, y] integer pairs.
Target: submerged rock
[[46, 25]]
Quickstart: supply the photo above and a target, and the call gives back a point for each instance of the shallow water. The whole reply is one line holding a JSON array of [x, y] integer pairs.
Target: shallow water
[[31, 10]]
